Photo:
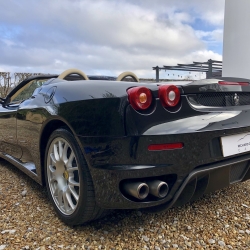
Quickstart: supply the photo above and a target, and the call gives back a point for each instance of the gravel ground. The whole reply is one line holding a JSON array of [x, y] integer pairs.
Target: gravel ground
[[27, 221]]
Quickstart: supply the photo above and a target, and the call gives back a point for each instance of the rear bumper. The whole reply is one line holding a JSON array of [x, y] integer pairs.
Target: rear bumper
[[201, 180], [190, 172], [206, 179]]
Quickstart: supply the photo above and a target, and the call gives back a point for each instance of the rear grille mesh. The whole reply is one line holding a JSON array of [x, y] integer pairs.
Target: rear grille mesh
[[238, 171], [221, 99]]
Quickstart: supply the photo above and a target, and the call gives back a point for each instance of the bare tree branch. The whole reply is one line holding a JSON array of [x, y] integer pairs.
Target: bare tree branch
[[8, 82]]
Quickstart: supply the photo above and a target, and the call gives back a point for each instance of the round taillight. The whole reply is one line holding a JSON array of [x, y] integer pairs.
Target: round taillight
[[169, 95], [140, 98]]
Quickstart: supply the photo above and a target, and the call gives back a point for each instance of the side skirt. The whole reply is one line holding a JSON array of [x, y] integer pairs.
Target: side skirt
[[28, 168]]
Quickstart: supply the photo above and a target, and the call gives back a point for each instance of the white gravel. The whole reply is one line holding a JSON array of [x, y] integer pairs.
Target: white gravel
[[27, 221]]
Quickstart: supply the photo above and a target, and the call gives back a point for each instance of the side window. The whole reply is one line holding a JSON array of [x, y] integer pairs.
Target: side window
[[26, 91]]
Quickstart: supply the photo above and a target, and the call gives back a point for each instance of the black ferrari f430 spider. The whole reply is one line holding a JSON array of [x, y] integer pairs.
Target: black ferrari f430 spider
[[101, 143]]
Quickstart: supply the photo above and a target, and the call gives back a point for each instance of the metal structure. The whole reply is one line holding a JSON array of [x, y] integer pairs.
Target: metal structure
[[211, 68]]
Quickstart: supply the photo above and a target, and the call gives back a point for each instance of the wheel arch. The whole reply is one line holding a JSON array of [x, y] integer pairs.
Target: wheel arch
[[47, 130]]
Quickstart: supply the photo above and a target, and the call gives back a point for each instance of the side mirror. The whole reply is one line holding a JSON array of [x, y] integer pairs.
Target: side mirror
[[2, 100]]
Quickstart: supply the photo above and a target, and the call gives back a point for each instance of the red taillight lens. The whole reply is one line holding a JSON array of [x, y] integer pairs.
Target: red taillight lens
[[167, 146], [234, 83], [169, 95], [140, 98]]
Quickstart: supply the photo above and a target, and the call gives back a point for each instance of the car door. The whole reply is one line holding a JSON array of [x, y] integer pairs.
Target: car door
[[8, 133], [30, 119], [16, 134]]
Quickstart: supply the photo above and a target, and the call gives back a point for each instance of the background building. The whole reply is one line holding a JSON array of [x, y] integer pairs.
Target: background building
[[236, 42]]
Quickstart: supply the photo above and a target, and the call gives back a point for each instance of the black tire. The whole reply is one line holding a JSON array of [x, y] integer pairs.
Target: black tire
[[72, 209]]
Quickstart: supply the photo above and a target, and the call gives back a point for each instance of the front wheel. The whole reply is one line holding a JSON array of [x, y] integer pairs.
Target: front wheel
[[68, 180]]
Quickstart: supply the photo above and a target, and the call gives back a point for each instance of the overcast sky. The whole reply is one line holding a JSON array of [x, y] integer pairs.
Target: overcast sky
[[108, 36]]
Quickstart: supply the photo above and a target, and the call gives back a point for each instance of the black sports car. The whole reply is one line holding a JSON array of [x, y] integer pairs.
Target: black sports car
[[102, 143]]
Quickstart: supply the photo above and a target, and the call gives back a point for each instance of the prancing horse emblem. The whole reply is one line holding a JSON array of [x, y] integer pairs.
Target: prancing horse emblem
[[236, 99]]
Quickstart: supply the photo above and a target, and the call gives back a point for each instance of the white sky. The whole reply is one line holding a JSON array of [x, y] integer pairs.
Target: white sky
[[108, 36]]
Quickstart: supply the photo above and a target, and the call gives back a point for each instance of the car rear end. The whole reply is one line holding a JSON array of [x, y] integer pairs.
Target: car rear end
[[181, 141]]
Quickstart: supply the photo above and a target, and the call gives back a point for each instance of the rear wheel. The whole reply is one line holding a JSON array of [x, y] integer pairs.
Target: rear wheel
[[68, 180]]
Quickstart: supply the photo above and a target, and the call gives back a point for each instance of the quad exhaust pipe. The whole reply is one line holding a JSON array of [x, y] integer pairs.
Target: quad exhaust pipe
[[141, 190]]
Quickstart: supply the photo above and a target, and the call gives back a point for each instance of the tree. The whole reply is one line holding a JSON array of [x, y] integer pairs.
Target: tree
[[8, 82]]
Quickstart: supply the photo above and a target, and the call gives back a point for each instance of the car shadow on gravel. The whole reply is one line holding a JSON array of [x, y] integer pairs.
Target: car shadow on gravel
[[209, 204], [22, 177]]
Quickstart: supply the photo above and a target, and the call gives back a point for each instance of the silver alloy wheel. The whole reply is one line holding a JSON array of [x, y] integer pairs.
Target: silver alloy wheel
[[63, 176]]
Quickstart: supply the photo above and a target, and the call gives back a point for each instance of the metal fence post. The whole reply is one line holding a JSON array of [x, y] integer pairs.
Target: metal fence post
[[210, 68], [157, 71]]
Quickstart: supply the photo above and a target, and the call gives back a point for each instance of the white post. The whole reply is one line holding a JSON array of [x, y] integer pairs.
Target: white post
[[236, 42]]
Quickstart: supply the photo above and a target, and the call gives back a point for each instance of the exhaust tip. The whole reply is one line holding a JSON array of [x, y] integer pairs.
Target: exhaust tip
[[163, 190], [158, 188], [143, 191], [139, 190]]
